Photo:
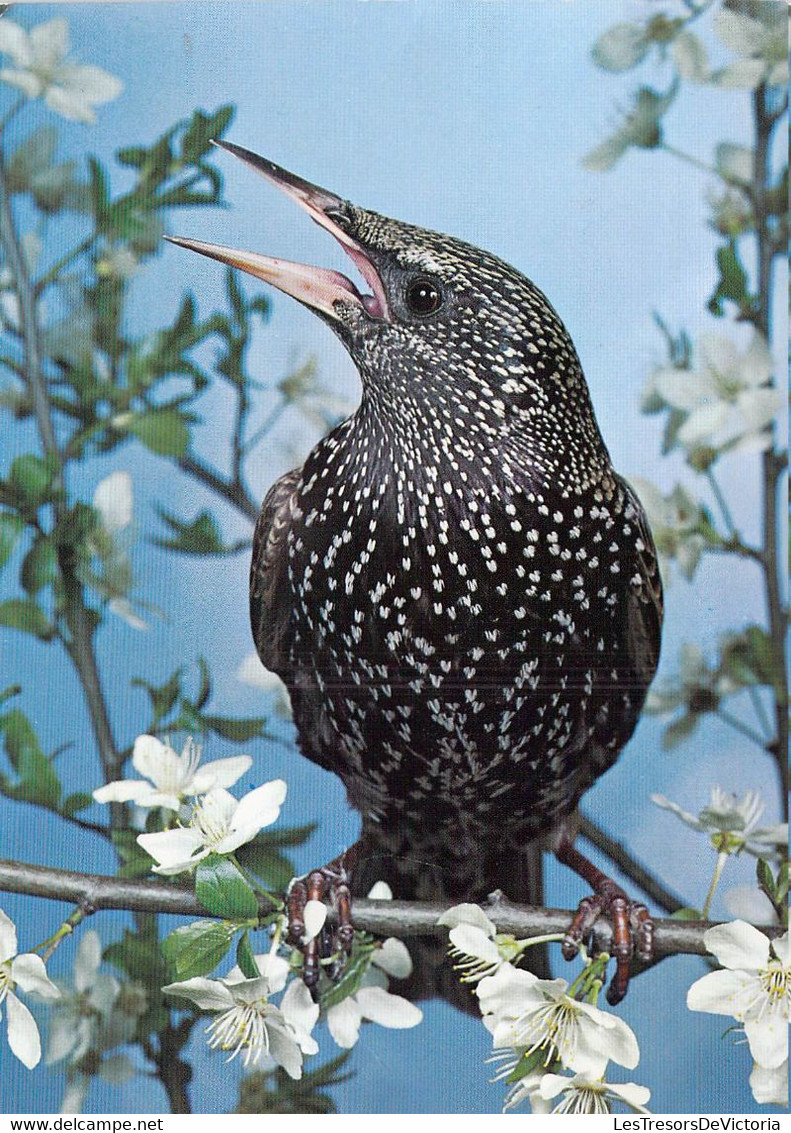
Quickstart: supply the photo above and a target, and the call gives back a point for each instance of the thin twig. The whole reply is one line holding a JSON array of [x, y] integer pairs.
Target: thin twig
[[232, 491], [94, 893]]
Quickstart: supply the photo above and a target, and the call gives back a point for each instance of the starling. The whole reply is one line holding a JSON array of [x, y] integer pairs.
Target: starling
[[459, 591]]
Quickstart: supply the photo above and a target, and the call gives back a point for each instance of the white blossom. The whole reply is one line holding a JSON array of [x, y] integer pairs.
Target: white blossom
[[754, 987], [528, 1013], [582, 1094], [41, 69], [728, 404], [474, 944], [219, 825], [641, 128], [28, 973], [761, 43], [169, 779], [82, 1006], [732, 824], [246, 1023]]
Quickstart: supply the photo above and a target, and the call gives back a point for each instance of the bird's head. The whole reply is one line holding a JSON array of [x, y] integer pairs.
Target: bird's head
[[437, 321]]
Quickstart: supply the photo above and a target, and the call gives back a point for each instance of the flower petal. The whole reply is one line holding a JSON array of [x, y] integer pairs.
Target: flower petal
[[467, 914], [8, 941], [770, 1086], [14, 41], [473, 941], [210, 995], [380, 891], [301, 1014], [219, 773], [260, 807], [314, 915], [23, 1037], [719, 993], [112, 498], [173, 848], [156, 761], [90, 83], [69, 104], [635, 1096], [387, 1010], [29, 972], [393, 957], [738, 945], [284, 1049], [344, 1021], [87, 960], [122, 791], [768, 1039]]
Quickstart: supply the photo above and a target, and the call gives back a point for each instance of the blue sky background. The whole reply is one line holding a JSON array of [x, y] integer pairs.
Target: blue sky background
[[471, 119]]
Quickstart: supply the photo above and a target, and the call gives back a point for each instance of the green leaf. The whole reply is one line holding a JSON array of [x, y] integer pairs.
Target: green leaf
[[40, 565], [24, 614], [222, 890], [245, 958], [732, 284], [237, 730], [163, 697], [196, 949], [351, 979], [679, 730], [11, 527], [31, 479], [204, 692], [38, 782], [134, 156], [75, 802], [200, 537], [164, 431], [100, 194], [202, 129], [140, 956]]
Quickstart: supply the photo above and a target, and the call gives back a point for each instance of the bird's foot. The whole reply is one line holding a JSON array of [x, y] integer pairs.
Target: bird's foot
[[632, 932], [333, 944], [632, 927]]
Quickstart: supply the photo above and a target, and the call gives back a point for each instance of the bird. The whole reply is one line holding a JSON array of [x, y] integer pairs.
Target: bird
[[459, 591]]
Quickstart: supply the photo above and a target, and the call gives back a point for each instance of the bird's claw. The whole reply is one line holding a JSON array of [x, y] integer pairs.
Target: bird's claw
[[632, 932], [330, 884]]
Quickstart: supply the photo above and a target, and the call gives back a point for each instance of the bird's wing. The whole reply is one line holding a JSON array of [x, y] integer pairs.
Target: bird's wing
[[271, 600], [645, 605]]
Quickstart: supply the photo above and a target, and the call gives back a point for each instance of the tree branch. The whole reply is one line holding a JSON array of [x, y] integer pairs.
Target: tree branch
[[78, 617], [94, 892], [764, 122]]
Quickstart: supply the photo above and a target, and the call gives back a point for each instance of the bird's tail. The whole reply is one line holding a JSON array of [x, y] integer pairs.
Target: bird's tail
[[418, 870]]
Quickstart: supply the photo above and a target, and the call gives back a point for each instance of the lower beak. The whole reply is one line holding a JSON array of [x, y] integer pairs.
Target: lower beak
[[318, 288]]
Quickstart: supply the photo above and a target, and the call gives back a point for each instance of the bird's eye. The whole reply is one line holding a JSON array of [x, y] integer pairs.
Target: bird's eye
[[423, 296]]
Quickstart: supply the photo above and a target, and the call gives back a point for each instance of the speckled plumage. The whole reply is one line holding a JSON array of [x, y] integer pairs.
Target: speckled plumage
[[460, 593]]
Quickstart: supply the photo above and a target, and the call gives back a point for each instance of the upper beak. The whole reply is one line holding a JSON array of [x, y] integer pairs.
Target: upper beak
[[319, 288]]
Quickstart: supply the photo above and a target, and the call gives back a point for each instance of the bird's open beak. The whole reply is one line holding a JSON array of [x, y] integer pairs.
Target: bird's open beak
[[319, 288]]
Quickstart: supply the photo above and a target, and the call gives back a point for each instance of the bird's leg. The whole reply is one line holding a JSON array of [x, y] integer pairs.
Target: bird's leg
[[632, 927], [331, 885]]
